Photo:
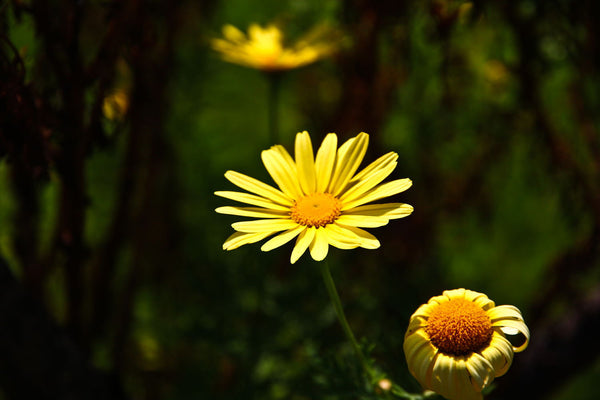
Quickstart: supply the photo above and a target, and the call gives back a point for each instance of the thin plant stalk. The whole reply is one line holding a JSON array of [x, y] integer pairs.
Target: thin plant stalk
[[274, 82], [339, 311]]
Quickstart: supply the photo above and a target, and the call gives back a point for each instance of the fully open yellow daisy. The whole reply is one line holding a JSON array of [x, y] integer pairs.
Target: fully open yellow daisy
[[320, 200], [456, 344], [263, 48]]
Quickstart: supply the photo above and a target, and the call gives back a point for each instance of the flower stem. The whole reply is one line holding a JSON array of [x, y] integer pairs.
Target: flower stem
[[274, 81], [339, 311]]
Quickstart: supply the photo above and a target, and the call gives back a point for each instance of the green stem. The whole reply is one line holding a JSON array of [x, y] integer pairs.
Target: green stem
[[274, 81], [339, 311]]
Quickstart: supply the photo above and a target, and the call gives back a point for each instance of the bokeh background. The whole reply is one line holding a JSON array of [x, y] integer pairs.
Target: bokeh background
[[117, 123]]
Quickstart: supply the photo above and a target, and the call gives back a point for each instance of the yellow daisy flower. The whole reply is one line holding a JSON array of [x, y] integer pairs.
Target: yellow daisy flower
[[320, 200], [263, 48], [456, 344]]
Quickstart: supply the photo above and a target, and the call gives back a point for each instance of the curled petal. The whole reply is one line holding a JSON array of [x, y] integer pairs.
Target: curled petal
[[499, 353], [419, 354]]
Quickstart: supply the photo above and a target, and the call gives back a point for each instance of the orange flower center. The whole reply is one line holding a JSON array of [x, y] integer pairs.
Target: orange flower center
[[317, 209], [459, 327]]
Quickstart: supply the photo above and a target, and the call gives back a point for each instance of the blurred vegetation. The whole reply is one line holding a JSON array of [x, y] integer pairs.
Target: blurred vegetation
[[117, 123]]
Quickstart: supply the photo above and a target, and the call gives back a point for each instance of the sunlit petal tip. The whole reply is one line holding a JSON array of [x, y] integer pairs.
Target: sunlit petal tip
[[302, 243], [232, 33], [370, 244], [305, 162]]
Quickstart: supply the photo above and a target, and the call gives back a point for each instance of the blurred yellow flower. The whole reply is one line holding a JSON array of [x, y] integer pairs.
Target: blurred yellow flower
[[320, 200], [496, 72], [263, 48], [115, 105], [456, 344]]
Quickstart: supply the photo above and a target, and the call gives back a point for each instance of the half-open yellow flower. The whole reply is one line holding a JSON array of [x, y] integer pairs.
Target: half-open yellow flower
[[320, 200], [456, 344], [263, 48]]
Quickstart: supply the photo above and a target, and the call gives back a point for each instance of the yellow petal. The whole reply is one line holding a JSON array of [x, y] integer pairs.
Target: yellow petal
[[381, 191], [319, 246], [338, 239], [264, 225], [304, 240], [325, 161], [257, 187], [416, 322], [241, 238], [255, 212], [479, 298], [446, 296], [282, 238], [348, 162], [450, 378], [505, 312], [382, 161], [282, 171], [251, 199], [424, 310], [462, 386], [499, 353], [367, 183], [362, 221], [222, 45], [519, 326], [305, 162], [388, 210], [234, 34], [480, 370], [255, 32], [344, 149], [367, 241], [419, 354]]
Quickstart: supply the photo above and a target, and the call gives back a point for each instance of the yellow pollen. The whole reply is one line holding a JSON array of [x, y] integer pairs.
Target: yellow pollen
[[317, 209], [459, 327]]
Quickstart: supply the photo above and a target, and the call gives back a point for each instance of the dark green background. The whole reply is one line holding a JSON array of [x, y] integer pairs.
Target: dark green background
[[492, 107]]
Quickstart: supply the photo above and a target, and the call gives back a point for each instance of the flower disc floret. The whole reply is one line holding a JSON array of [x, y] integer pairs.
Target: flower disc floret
[[459, 327], [317, 209]]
